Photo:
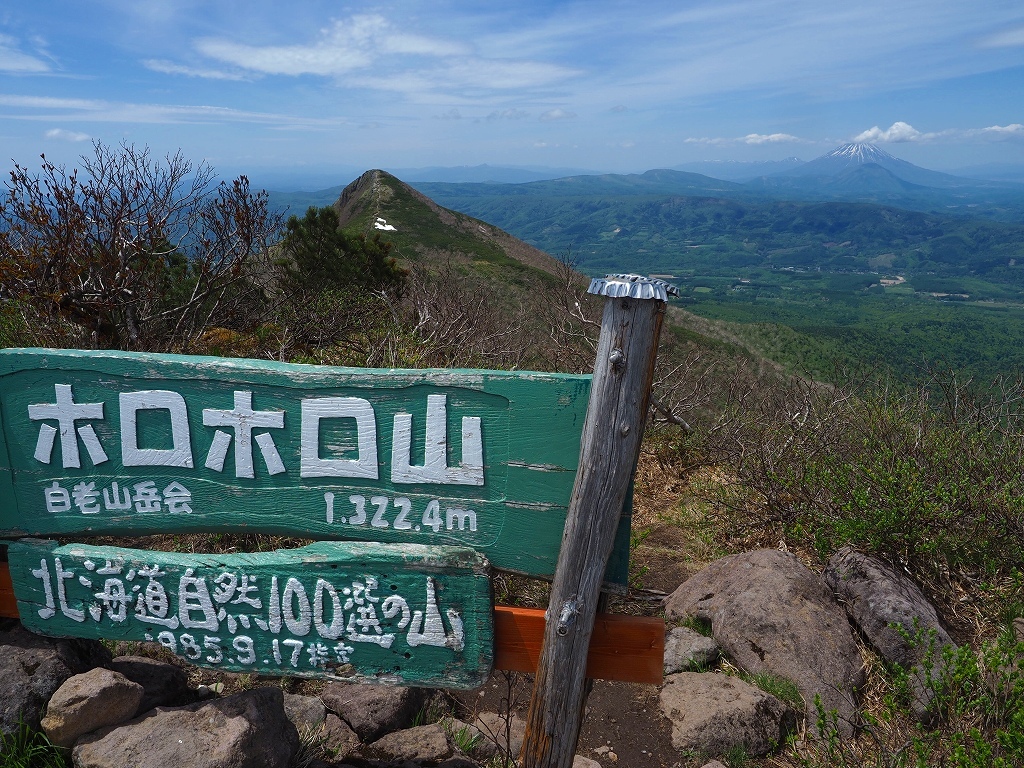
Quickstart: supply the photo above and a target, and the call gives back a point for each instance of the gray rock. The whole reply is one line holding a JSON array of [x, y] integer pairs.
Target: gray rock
[[579, 761], [687, 651], [876, 597], [307, 712], [88, 702], [714, 764], [33, 667], [497, 729], [373, 710], [422, 743], [894, 615], [340, 741], [714, 713], [247, 730], [165, 685], [771, 614]]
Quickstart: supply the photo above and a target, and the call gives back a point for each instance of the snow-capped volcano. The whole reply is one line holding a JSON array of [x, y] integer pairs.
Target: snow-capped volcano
[[858, 153], [854, 160]]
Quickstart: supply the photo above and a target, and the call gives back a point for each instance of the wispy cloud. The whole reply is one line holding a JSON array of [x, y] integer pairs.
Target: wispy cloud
[[63, 135], [170, 68], [368, 51], [901, 132], [14, 60], [556, 114], [750, 138], [41, 108], [343, 47], [1005, 39], [508, 114], [771, 138], [1014, 129], [996, 133], [47, 102]]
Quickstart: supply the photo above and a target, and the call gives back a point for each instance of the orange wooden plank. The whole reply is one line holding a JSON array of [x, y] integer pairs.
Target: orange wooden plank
[[8, 605], [627, 648]]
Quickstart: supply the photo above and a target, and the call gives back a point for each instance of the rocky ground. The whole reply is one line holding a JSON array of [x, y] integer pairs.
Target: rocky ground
[[754, 639]]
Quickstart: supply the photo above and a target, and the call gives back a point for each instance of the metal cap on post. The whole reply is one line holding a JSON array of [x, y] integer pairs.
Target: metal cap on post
[[632, 286], [614, 426]]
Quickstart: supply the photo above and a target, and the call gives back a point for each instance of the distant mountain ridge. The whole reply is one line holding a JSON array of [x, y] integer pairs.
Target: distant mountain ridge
[[851, 157], [484, 174], [739, 170]]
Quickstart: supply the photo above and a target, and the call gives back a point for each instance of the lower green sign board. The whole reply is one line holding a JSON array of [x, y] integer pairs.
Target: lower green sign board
[[119, 443], [396, 614]]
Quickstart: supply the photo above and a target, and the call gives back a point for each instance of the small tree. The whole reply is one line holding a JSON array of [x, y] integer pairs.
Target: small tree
[[143, 253], [335, 283], [322, 254]]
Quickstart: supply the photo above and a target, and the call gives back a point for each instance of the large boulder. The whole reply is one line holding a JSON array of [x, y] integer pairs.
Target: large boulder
[[246, 730], [713, 714], [771, 614], [894, 616], [373, 710], [163, 684], [32, 667], [88, 702]]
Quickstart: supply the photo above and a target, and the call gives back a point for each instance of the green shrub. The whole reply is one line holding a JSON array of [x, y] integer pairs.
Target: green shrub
[[979, 716], [929, 478]]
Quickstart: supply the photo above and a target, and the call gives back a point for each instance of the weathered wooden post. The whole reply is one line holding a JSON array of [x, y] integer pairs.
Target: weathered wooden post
[[610, 446]]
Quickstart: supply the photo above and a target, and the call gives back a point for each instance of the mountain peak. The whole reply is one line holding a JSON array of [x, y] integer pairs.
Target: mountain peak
[[859, 153], [854, 157], [378, 203]]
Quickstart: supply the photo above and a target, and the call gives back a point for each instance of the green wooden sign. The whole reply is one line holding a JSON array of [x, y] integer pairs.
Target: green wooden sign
[[125, 443], [396, 614]]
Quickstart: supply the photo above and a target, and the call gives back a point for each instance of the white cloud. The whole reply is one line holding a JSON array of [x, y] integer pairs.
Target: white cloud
[[47, 102], [63, 135], [708, 140], [371, 52], [556, 114], [770, 138], [1005, 39], [897, 133], [508, 114], [1014, 129], [997, 132], [343, 47], [170, 68], [13, 60], [52, 109], [750, 138]]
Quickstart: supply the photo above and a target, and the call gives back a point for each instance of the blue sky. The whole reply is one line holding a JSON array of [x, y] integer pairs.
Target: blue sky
[[312, 86]]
